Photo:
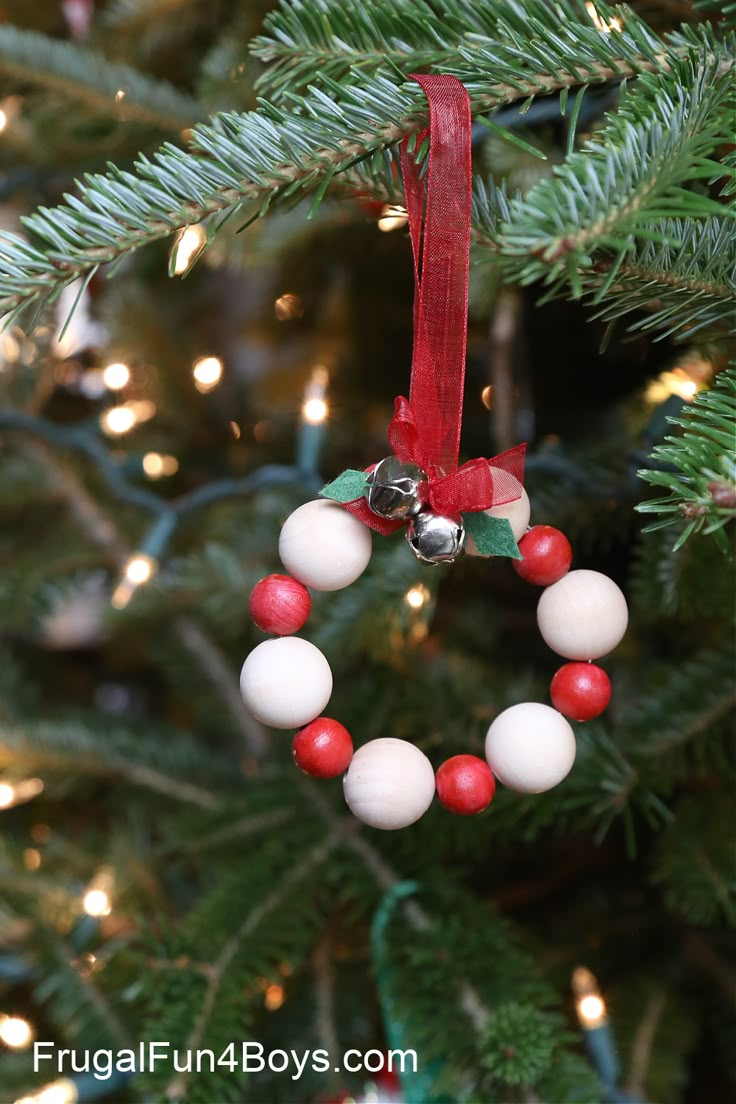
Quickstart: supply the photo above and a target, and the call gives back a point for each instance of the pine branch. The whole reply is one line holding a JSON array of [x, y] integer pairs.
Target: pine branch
[[93, 80], [259, 158], [639, 168], [698, 468]]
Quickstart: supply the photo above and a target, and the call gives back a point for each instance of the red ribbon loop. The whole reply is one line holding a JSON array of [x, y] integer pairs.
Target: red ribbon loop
[[426, 427]]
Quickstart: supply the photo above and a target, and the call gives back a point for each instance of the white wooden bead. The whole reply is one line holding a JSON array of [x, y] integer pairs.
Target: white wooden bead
[[389, 783], [286, 683], [516, 512], [583, 616], [530, 747], [324, 546]]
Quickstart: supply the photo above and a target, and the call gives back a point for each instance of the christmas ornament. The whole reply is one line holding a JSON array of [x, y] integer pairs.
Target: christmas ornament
[[465, 785], [580, 691], [435, 539], [322, 748], [394, 490], [279, 605], [443, 507], [546, 556]]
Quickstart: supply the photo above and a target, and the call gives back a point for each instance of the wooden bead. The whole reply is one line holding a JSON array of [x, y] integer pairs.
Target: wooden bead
[[546, 556], [530, 747], [580, 691], [389, 783], [583, 616], [517, 512], [279, 604], [323, 748], [324, 546], [286, 683], [465, 785]]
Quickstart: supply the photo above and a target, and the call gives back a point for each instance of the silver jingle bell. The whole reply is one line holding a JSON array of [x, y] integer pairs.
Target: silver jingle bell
[[435, 539], [395, 490]]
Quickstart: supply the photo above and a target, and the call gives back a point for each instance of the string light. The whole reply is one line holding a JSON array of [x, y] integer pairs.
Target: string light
[[392, 217], [15, 1032], [121, 419], [156, 465], [416, 596], [589, 1004], [116, 376], [138, 570], [207, 372], [3, 120], [274, 997], [120, 95], [96, 900], [314, 407], [17, 793], [63, 1091], [679, 382], [288, 307], [187, 246], [600, 24]]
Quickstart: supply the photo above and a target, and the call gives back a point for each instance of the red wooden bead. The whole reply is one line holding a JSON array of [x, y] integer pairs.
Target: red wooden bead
[[546, 553], [581, 691], [465, 784], [280, 604], [323, 748]]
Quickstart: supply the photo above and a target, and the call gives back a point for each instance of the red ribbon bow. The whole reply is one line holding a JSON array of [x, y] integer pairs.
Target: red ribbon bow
[[425, 429]]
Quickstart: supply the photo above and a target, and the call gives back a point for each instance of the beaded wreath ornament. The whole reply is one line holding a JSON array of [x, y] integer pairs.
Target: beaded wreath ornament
[[446, 508]]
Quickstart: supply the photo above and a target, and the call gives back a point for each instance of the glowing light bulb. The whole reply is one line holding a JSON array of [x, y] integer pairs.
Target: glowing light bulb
[[416, 596], [600, 24], [18, 792], [3, 120], [155, 465], [120, 95], [314, 411], [118, 420], [592, 1010], [15, 1032], [116, 376], [62, 1091], [677, 382], [274, 997], [139, 568], [392, 218], [207, 373], [96, 903], [187, 247]]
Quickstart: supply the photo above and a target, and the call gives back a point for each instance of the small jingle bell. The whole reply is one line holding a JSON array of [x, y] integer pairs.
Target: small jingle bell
[[396, 490], [436, 539]]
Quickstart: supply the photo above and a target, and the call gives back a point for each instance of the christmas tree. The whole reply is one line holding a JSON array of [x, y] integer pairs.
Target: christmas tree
[[168, 876]]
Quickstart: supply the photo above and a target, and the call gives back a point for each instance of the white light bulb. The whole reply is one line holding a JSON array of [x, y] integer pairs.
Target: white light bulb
[[116, 376], [186, 247], [15, 1032], [63, 1091], [392, 218], [314, 411], [96, 903], [416, 596], [7, 795], [139, 568], [207, 373], [118, 420]]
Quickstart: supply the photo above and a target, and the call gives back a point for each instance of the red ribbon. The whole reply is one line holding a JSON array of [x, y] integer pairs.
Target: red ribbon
[[425, 429]]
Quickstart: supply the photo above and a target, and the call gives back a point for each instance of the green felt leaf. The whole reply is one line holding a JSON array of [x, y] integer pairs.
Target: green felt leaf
[[346, 488], [492, 536]]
